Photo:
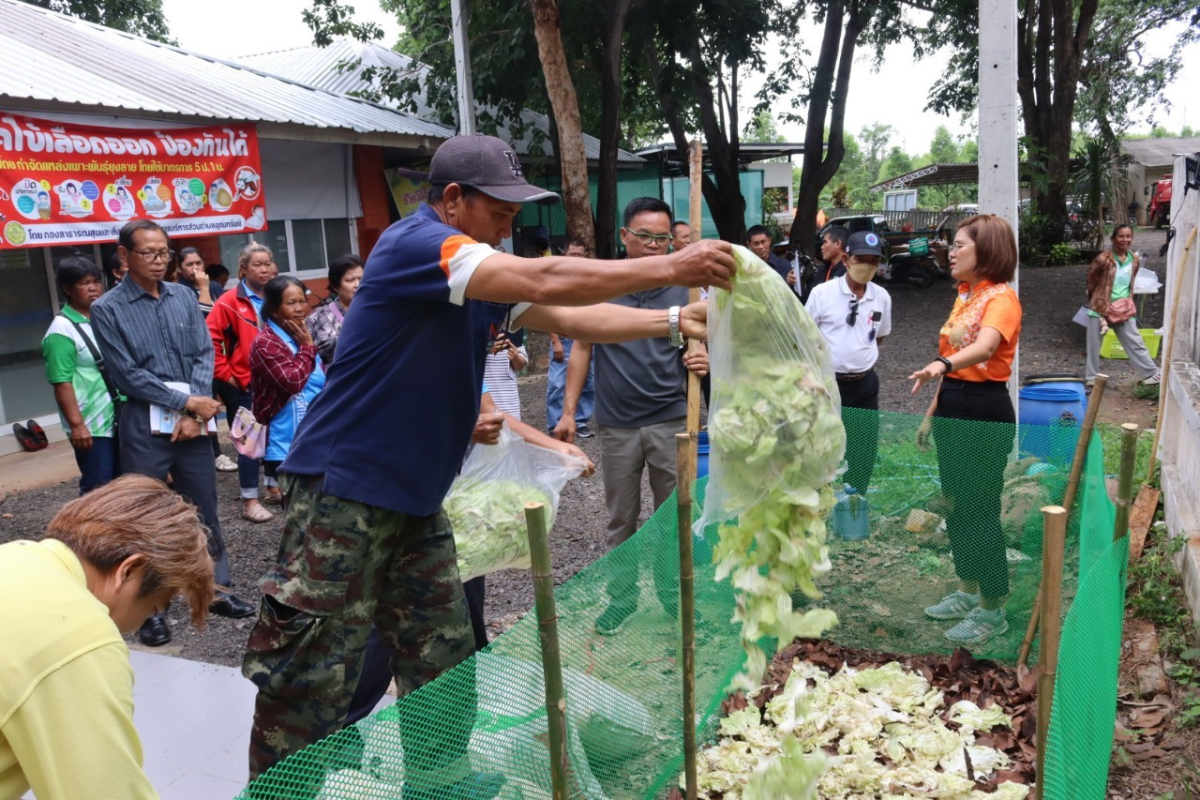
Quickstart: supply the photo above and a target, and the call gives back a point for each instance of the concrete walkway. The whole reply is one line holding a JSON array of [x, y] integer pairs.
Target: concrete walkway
[[194, 721]]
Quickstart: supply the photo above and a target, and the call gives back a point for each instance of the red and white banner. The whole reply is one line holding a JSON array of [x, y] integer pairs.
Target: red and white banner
[[62, 183]]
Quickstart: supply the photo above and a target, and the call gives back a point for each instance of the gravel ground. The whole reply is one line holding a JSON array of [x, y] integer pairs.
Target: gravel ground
[[1050, 343]]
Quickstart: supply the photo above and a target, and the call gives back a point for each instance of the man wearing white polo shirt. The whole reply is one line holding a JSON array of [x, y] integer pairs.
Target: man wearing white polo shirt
[[855, 315]]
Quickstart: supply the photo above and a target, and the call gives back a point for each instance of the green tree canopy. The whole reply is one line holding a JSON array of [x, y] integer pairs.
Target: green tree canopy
[[139, 17], [1081, 63], [943, 149]]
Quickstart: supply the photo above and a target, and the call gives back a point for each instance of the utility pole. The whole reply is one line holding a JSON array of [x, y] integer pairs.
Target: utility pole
[[999, 192], [462, 67]]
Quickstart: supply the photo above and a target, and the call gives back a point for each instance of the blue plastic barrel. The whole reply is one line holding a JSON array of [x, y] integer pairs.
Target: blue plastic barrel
[[1051, 415], [702, 455]]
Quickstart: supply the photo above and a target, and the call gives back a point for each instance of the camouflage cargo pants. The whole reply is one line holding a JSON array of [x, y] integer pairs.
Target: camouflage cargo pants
[[342, 566]]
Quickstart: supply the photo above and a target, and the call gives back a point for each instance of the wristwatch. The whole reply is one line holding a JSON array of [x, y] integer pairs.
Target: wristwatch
[[948, 364], [192, 415], [673, 326]]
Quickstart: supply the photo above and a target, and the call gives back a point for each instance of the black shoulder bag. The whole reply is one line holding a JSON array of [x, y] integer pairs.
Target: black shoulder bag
[[100, 365]]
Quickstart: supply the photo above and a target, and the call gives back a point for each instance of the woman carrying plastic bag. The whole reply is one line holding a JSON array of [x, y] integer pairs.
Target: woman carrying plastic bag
[[777, 444]]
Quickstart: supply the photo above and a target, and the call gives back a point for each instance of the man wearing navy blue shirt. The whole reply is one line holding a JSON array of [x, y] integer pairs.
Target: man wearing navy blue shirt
[[365, 538]]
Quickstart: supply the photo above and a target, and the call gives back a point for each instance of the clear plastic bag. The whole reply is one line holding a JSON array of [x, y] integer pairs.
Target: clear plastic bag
[[486, 503], [776, 445]]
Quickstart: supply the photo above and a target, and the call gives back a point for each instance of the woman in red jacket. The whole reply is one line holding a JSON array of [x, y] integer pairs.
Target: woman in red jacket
[[234, 323]]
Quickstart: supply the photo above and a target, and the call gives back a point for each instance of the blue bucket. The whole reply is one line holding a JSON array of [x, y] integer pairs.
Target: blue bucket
[[1051, 416], [702, 455]]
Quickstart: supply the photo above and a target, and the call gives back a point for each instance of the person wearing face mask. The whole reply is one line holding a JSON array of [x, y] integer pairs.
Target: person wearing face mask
[[855, 315]]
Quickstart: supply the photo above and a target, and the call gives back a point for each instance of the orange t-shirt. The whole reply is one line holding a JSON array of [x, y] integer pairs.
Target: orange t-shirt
[[1002, 311]]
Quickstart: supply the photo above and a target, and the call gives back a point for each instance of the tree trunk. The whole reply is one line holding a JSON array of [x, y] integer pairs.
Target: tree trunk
[[1050, 46], [560, 87], [611, 35], [827, 98], [724, 197]]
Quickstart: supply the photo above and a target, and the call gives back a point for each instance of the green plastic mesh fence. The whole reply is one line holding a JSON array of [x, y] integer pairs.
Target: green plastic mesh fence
[[1085, 688], [924, 527]]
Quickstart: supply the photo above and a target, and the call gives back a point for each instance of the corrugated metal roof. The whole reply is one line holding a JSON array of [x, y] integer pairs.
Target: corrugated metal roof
[[339, 67], [49, 57], [1160, 152]]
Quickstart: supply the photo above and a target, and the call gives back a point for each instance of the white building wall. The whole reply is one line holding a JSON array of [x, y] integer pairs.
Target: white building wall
[[1180, 440]]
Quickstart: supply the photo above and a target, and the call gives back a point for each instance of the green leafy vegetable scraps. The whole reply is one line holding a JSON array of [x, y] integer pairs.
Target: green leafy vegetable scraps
[[488, 518], [777, 444]]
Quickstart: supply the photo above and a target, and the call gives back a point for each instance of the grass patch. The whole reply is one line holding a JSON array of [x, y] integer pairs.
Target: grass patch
[[1110, 437], [1143, 392]]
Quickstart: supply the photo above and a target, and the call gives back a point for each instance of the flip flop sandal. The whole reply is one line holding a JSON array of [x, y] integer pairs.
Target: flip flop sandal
[[257, 514]]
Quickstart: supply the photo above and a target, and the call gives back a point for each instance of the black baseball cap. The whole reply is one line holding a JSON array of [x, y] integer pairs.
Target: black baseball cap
[[865, 243], [487, 164]]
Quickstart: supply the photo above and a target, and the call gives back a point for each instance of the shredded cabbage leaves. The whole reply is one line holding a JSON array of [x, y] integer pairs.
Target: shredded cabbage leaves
[[488, 518], [778, 441], [871, 733]]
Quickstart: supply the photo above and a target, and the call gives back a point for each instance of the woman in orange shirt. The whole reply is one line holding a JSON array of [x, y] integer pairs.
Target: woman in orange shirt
[[975, 355]]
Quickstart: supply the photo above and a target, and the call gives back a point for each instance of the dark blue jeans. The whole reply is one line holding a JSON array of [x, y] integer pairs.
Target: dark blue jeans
[[99, 465]]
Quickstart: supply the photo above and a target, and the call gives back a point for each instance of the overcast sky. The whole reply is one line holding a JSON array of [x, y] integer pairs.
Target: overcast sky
[[894, 96]]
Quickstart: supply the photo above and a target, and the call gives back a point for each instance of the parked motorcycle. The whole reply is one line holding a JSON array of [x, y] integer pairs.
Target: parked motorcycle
[[914, 264]]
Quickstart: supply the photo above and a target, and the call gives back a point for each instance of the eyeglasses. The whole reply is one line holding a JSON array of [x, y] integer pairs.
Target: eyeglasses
[[649, 238], [156, 255], [852, 317], [959, 245]]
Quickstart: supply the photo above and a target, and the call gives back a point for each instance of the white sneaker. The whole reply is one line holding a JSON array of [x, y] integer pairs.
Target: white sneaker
[[226, 464], [1153, 380]]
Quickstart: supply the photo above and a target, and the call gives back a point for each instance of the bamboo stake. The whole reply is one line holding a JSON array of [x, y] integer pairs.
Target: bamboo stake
[[1081, 451], [1054, 527], [1129, 437], [556, 702], [1166, 362], [695, 222], [685, 473]]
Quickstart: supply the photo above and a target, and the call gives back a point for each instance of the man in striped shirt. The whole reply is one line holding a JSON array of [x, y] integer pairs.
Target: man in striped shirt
[[152, 334]]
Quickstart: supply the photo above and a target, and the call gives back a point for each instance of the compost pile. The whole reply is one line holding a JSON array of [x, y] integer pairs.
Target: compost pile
[[851, 723], [777, 446]]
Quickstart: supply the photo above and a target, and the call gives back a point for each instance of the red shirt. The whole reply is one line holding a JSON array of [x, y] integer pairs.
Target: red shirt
[[233, 324]]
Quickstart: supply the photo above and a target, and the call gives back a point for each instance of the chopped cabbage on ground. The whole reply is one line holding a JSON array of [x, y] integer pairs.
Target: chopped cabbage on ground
[[884, 723]]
